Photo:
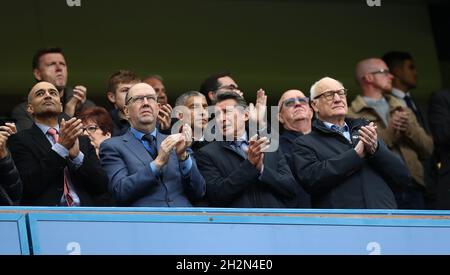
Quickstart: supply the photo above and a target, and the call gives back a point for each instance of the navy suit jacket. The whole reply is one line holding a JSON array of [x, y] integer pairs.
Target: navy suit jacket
[[131, 181]]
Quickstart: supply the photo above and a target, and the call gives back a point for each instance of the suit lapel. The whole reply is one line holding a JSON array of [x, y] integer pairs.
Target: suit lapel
[[136, 147], [226, 146], [39, 139]]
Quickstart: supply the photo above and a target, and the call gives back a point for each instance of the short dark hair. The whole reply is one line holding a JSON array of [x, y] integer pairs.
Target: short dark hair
[[396, 58], [99, 115], [211, 83], [121, 77], [41, 52], [232, 95]]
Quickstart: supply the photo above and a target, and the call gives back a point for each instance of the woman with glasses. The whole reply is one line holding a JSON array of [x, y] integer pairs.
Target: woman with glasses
[[97, 125]]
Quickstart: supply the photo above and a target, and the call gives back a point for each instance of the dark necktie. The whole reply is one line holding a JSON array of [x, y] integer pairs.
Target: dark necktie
[[54, 134], [152, 144], [237, 146], [410, 103]]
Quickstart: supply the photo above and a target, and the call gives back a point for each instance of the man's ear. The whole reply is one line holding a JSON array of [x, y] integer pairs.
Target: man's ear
[[62, 107], [126, 112], [30, 110], [180, 115], [368, 78], [37, 74], [211, 96], [246, 116], [280, 118], [314, 106], [111, 97]]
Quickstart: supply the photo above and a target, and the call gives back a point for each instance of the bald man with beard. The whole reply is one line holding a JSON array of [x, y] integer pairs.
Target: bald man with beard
[[58, 166], [396, 124]]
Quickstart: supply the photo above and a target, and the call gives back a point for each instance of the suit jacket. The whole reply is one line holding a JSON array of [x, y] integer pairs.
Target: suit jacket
[[24, 120], [336, 177], [131, 181], [232, 181], [10, 182], [439, 116], [42, 170], [287, 139]]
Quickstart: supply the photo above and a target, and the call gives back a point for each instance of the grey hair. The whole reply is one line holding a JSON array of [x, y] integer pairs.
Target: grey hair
[[313, 91], [181, 100]]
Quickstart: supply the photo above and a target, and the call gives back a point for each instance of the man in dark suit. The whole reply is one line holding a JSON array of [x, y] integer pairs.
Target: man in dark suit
[[10, 182], [342, 163], [145, 167], [237, 171], [295, 115], [439, 117], [50, 65], [58, 166]]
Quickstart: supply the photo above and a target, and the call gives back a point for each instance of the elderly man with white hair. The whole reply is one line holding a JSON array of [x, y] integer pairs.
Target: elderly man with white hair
[[342, 163]]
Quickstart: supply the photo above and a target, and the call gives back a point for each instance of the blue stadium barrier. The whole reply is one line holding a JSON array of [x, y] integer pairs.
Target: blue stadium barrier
[[13, 234], [216, 231]]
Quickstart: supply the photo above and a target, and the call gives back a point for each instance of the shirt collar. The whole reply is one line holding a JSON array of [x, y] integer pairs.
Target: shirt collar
[[44, 128], [398, 93], [330, 126], [243, 137], [138, 134]]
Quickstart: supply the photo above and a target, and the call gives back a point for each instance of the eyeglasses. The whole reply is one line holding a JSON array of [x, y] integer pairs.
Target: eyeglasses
[[290, 102], [140, 99], [381, 71], [330, 94], [91, 129]]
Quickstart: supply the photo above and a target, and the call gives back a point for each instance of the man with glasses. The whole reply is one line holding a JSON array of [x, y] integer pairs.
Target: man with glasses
[[295, 115], [342, 163], [396, 125], [145, 167]]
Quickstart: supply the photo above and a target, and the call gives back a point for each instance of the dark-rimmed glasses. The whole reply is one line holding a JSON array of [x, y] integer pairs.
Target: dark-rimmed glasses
[[140, 99], [330, 94]]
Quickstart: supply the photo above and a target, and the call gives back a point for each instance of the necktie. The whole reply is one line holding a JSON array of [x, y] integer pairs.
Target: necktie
[[152, 144], [238, 147], [55, 136], [410, 103]]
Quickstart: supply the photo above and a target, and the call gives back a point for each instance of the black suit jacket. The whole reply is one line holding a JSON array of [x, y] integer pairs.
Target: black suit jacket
[[42, 170], [232, 181], [439, 116]]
